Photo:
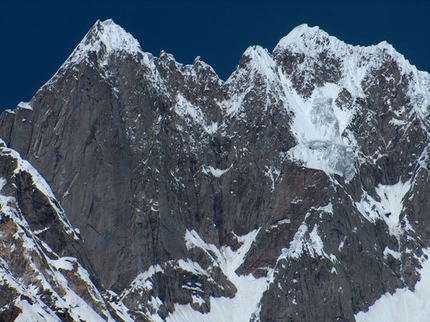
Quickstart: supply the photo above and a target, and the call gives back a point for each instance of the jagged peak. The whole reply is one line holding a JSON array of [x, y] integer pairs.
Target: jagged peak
[[193, 70], [301, 37], [255, 59], [259, 54], [104, 38], [198, 64], [116, 37], [301, 30], [311, 42], [385, 47]]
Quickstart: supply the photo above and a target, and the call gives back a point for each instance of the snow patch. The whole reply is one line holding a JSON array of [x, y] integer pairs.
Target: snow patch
[[25, 106], [387, 251], [215, 172], [404, 305], [3, 182], [65, 263], [245, 304], [33, 312], [389, 207], [308, 241], [186, 109], [191, 267], [120, 309], [305, 241], [273, 174], [279, 223], [142, 281]]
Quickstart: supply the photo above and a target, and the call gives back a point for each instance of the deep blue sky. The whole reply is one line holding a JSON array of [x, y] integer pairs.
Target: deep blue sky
[[37, 36]]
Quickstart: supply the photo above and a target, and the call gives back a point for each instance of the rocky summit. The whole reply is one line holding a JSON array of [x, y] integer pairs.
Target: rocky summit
[[135, 188]]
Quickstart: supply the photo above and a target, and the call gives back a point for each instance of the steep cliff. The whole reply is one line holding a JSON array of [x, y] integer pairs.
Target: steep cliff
[[293, 191]]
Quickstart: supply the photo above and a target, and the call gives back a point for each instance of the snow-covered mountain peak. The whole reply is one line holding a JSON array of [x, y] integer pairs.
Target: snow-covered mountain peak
[[115, 37], [256, 60], [104, 38], [256, 52], [298, 32], [314, 43], [260, 59], [305, 39]]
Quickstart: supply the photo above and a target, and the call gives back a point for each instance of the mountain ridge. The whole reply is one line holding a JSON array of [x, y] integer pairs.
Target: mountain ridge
[[281, 178]]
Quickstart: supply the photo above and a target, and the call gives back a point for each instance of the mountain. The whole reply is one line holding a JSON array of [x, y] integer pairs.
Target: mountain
[[293, 191], [41, 277]]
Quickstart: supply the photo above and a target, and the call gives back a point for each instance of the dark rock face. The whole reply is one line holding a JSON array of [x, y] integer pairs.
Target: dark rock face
[[320, 149]]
